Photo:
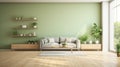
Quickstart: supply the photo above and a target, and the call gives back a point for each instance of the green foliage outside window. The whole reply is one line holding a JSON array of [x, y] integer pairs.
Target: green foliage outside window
[[116, 33]]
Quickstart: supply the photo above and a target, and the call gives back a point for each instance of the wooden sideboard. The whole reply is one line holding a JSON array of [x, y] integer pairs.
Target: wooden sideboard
[[90, 47], [25, 46]]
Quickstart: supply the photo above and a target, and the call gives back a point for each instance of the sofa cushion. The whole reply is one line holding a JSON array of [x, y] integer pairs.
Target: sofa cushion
[[68, 39], [51, 40], [62, 39], [49, 45], [56, 39], [71, 45], [45, 41]]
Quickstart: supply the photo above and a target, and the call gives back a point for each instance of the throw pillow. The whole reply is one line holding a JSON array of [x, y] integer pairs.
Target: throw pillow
[[51, 40], [68, 40], [46, 41], [62, 39]]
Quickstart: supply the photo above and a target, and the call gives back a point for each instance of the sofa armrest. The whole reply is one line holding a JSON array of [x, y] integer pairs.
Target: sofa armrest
[[78, 43], [42, 42]]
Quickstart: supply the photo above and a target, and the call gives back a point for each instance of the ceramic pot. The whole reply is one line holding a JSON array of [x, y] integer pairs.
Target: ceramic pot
[[24, 26], [84, 42], [97, 42], [90, 42], [34, 26]]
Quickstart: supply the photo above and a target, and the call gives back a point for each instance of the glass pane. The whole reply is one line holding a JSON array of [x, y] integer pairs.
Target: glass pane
[[114, 24], [117, 25]]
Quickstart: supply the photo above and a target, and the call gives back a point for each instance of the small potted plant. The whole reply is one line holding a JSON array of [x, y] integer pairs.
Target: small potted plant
[[83, 38], [65, 43], [15, 33], [96, 32], [34, 25], [90, 39], [118, 49]]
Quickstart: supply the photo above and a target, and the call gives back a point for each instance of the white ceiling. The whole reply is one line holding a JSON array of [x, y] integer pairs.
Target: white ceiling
[[53, 0]]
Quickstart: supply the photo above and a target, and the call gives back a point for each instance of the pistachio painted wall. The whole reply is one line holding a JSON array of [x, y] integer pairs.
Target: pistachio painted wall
[[54, 20]]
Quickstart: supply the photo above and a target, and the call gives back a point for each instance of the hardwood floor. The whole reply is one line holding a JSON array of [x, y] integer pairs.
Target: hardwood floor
[[33, 59]]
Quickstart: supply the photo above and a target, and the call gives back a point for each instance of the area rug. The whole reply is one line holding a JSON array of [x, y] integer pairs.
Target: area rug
[[62, 53]]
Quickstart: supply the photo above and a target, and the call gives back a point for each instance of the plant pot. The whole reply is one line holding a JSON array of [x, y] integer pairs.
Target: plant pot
[[97, 42], [118, 54], [90, 42], [34, 18], [34, 26], [24, 26], [63, 45], [21, 34], [84, 42]]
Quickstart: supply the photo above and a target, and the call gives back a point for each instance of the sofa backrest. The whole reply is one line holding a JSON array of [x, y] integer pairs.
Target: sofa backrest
[[56, 39], [68, 39], [61, 39]]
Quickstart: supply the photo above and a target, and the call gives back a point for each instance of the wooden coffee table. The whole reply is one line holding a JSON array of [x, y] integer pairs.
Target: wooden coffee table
[[71, 48], [60, 48]]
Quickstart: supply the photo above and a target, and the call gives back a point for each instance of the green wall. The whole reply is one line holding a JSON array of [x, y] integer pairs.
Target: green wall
[[54, 19]]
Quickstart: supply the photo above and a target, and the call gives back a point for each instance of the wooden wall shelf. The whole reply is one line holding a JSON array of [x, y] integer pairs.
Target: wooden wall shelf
[[29, 28], [25, 19], [15, 36]]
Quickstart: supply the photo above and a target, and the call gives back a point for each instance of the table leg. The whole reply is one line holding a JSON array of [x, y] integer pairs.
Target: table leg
[[40, 50], [71, 50]]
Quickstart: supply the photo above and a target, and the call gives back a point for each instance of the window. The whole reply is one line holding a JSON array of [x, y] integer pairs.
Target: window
[[114, 23]]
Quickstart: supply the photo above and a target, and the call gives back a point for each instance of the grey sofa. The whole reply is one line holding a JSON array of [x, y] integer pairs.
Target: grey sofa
[[56, 42]]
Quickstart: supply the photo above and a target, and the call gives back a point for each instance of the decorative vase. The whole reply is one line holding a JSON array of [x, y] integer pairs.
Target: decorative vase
[[34, 34], [24, 26], [30, 34], [21, 34], [34, 18]]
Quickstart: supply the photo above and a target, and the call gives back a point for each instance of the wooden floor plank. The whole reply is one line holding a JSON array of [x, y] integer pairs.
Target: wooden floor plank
[[33, 59]]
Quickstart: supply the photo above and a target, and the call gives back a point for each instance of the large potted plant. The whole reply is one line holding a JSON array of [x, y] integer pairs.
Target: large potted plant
[[96, 32], [118, 49], [83, 38]]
